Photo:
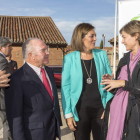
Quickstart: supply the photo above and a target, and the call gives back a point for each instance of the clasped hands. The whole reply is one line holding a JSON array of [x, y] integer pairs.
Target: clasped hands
[[110, 84], [4, 79]]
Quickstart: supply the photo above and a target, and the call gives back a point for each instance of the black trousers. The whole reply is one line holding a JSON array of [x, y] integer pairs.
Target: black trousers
[[89, 121]]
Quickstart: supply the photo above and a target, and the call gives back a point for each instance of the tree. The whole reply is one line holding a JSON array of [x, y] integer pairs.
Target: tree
[[101, 44]]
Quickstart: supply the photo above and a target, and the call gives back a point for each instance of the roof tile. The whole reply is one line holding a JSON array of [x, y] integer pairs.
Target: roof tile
[[19, 28]]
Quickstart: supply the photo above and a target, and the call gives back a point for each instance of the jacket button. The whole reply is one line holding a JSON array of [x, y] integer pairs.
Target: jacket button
[[125, 135], [102, 96]]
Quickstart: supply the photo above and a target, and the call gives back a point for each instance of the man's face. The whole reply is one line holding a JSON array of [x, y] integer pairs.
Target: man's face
[[6, 50], [40, 53]]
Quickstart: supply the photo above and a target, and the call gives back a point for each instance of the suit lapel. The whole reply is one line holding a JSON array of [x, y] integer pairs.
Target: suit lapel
[[78, 62], [78, 65], [135, 71], [31, 76], [97, 65], [77, 73]]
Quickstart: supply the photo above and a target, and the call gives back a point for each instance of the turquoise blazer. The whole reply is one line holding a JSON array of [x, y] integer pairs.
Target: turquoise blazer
[[72, 80]]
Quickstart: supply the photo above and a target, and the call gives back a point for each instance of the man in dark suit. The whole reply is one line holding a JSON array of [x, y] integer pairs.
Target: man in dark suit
[[5, 50], [12, 62], [31, 100]]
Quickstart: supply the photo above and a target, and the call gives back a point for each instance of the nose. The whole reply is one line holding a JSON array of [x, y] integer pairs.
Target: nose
[[95, 38], [122, 41], [47, 52]]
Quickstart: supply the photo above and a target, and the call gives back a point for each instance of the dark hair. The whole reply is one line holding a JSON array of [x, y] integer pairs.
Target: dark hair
[[79, 33], [4, 41]]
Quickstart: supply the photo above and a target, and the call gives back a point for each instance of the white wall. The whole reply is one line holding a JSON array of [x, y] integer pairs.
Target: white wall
[[128, 9]]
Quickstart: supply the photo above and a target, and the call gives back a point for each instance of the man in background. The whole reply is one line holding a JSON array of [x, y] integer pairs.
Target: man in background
[[31, 101], [5, 50], [12, 62]]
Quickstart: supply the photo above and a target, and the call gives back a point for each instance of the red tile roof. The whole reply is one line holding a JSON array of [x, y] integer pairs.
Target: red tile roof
[[19, 28]]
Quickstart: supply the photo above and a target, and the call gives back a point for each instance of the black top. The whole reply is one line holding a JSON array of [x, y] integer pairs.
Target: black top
[[90, 96], [131, 123]]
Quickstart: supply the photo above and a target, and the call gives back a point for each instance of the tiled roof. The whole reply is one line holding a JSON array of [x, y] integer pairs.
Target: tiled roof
[[19, 28]]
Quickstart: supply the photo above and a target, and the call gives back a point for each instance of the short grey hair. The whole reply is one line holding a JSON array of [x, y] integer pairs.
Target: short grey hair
[[4, 41], [27, 47]]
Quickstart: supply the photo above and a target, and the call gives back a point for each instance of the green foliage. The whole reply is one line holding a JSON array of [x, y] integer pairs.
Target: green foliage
[[101, 44]]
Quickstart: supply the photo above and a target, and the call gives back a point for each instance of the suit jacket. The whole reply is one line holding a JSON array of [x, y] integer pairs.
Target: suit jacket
[[30, 111], [4, 65], [14, 64], [72, 80]]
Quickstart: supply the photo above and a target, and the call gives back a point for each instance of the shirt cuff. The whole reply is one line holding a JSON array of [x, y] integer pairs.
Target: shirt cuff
[[68, 115], [126, 85]]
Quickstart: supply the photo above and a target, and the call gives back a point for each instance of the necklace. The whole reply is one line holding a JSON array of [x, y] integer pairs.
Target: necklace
[[89, 80]]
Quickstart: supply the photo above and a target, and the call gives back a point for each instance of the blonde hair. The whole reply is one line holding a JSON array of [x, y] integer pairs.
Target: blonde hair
[[132, 28], [78, 34]]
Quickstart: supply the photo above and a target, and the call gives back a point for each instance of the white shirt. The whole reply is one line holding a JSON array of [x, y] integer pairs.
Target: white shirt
[[39, 73]]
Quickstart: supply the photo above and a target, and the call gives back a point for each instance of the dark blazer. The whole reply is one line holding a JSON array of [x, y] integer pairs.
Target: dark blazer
[[130, 131], [14, 64], [31, 113], [4, 65]]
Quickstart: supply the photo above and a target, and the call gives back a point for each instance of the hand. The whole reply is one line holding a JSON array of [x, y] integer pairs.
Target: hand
[[71, 123], [103, 114], [108, 77], [4, 79], [111, 84]]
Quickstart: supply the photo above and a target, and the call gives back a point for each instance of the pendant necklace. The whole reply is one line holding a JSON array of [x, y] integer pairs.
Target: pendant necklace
[[89, 80]]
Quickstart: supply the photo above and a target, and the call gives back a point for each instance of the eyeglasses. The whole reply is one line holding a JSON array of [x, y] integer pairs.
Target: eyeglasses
[[45, 50]]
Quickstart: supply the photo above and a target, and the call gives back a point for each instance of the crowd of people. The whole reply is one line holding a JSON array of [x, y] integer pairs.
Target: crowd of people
[[92, 100]]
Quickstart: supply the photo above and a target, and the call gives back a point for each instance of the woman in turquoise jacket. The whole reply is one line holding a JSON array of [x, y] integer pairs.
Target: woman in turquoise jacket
[[83, 97]]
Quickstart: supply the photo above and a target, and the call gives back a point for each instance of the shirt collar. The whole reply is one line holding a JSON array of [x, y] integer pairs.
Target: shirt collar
[[36, 69], [3, 54]]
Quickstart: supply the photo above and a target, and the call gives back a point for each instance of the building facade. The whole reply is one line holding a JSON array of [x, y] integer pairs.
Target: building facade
[[20, 28]]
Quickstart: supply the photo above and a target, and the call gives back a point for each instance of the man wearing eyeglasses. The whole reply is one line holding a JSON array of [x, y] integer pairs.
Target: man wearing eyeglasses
[[33, 113]]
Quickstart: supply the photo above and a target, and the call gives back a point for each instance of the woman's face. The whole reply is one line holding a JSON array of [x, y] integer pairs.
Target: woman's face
[[129, 41], [89, 40]]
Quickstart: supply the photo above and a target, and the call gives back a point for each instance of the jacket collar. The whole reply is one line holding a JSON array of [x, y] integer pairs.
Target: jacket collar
[[123, 62], [31, 76]]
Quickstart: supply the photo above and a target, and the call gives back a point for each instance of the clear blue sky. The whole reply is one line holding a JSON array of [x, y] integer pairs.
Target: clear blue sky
[[67, 14]]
